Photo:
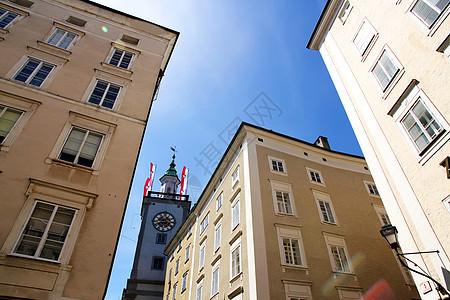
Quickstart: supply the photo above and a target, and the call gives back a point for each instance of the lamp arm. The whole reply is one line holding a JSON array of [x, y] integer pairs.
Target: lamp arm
[[440, 288]]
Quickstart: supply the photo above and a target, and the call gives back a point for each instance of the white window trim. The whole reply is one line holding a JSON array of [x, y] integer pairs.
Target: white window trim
[[308, 170], [234, 246], [201, 262], [294, 289], [217, 236], [27, 106], [121, 46], [446, 203], [425, 29], [366, 185], [282, 187], [332, 240], [220, 197], [371, 43], [86, 122], [187, 254], [271, 158], [215, 268], [404, 108], [78, 200], [380, 212], [184, 282], [319, 196], [199, 286], [235, 179], [47, 79], [401, 70], [341, 11], [202, 228], [56, 25], [235, 201], [291, 233], [21, 14]]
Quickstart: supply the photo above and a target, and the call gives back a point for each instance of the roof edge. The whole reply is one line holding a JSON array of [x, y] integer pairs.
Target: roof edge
[[325, 19]]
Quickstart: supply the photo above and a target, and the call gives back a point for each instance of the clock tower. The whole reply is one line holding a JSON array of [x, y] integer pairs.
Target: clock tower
[[162, 214]]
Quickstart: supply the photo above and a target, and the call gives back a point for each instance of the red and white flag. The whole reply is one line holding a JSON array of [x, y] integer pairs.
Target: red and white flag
[[184, 181], [149, 181]]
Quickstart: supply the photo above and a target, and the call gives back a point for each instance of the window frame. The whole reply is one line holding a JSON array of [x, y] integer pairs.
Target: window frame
[[106, 91], [219, 201], [283, 188], [177, 266], [204, 224], [277, 161], [368, 28], [39, 190], [371, 186], [415, 95], [428, 29], [187, 254], [20, 15], [162, 259], [344, 12], [329, 210], [184, 281], [35, 72], [385, 91], [312, 179], [215, 281], [338, 241], [235, 212], [217, 236], [235, 177], [158, 238], [125, 50], [236, 246], [202, 256], [382, 215], [291, 233], [66, 31], [198, 296]]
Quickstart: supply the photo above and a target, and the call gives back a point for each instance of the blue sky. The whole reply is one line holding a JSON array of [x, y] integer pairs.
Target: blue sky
[[232, 58]]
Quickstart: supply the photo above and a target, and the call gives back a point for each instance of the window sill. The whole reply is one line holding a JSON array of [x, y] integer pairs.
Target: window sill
[[4, 31], [214, 296], [427, 148], [296, 268], [59, 162], [122, 71], [278, 172], [236, 277], [34, 258]]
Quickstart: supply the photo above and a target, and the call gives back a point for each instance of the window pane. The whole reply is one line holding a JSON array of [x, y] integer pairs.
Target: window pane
[[67, 40], [26, 70], [329, 212], [89, 150], [56, 37], [115, 58], [72, 145], [41, 74], [8, 117], [111, 96], [98, 92], [126, 60]]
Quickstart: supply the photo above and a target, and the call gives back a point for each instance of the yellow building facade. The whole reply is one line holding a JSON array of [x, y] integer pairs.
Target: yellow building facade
[[77, 81], [389, 61], [283, 219]]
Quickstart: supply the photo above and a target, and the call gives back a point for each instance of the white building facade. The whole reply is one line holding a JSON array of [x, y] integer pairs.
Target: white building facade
[[389, 61]]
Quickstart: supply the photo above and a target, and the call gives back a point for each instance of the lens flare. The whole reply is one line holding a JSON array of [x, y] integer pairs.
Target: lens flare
[[104, 29]]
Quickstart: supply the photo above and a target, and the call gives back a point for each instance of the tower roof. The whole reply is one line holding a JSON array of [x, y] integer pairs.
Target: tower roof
[[171, 171]]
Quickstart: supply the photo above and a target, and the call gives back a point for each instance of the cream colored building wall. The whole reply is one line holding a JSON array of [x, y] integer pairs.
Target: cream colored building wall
[[100, 193], [412, 187], [354, 209]]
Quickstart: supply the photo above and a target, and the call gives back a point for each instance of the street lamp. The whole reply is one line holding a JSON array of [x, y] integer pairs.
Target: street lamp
[[389, 232]]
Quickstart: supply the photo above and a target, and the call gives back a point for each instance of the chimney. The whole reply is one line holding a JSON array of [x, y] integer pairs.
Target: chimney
[[322, 142]]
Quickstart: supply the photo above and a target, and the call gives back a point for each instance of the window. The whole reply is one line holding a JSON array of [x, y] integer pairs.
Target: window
[[184, 282], [7, 17], [235, 213], [235, 177], [446, 203], [201, 263], [199, 292], [34, 72], [429, 10], [158, 263], [215, 281], [8, 118], [121, 58], [174, 291], [291, 247], [187, 253], [365, 38], [61, 38], [420, 125], [104, 94], [325, 208], [219, 201], [177, 266], [217, 235], [385, 69], [315, 176], [204, 223], [81, 147], [46, 231], [236, 261], [371, 188], [345, 11], [277, 165], [382, 215], [283, 203], [161, 238], [170, 275], [338, 254]]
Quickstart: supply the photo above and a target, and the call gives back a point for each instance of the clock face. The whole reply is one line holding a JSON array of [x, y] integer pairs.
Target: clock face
[[163, 221]]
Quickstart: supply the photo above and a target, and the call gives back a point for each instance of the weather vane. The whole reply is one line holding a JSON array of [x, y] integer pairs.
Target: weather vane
[[174, 149]]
